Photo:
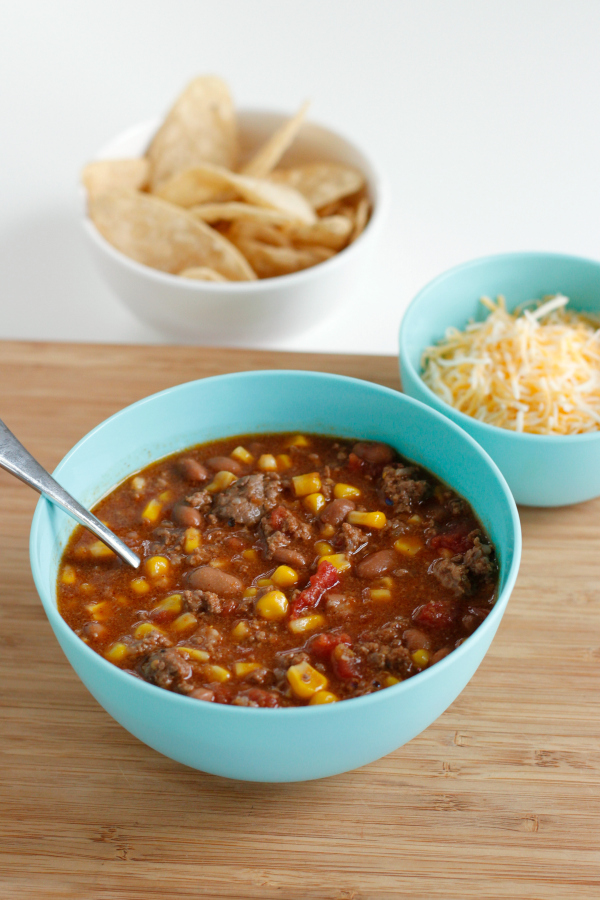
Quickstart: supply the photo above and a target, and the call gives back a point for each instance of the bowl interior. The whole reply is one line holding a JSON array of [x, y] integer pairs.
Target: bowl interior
[[264, 402], [453, 298]]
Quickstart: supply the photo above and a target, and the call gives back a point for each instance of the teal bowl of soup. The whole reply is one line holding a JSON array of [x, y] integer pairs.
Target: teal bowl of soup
[[296, 743], [541, 470]]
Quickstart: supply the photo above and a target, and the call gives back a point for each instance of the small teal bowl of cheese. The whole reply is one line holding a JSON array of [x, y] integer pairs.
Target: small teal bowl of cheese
[[524, 384]]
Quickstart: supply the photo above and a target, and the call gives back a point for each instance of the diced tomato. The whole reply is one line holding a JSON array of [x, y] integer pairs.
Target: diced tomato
[[277, 517], [322, 645], [355, 463], [458, 539], [436, 614], [344, 662], [326, 577]]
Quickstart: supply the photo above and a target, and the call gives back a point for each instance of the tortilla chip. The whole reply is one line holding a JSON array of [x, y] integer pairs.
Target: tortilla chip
[[163, 236], [202, 273], [267, 157], [242, 230], [269, 261], [321, 182], [361, 217], [330, 231], [229, 212], [200, 128], [108, 174], [202, 183]]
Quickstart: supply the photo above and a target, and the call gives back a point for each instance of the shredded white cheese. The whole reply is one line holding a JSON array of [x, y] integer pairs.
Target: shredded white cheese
[[535, 370]]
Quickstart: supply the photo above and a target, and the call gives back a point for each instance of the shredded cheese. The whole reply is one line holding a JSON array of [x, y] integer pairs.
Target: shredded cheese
[[535, 370]]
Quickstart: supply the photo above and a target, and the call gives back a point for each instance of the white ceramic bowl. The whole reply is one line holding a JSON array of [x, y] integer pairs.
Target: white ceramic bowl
[[241, 312]]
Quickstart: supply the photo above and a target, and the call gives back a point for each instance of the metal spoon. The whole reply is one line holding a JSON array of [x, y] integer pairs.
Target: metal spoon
[[18, 461]]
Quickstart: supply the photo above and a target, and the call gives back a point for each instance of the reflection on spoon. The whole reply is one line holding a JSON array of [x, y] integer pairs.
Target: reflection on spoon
[[19, 462]]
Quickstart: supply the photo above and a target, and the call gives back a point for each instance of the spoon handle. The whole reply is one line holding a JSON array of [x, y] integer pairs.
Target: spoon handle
[[19, 462]]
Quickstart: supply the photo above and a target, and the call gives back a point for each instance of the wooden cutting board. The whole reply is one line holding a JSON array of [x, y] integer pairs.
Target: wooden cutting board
[[499, 798]]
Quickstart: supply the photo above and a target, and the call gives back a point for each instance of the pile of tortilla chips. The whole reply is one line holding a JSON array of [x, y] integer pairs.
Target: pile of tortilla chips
[[191, 207]]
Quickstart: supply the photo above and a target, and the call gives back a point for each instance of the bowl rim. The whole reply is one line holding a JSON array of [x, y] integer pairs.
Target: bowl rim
[[460, 418], [58, 624], [378, 182]]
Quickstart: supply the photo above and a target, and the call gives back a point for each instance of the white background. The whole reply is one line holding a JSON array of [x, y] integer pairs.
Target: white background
[[485, 115]]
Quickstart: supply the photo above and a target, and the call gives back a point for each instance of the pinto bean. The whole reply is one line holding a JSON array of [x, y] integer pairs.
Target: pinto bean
[[208, 578], [193, 470], [289, 557], [186, 515], [374, 452], [440, 654], [203, 694], [225, 464], [336, 511], [415, 639], [94, 630], [377, 564]]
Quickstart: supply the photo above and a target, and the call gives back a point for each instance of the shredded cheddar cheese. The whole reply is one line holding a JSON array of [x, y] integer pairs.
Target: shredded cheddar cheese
[[535, 370]]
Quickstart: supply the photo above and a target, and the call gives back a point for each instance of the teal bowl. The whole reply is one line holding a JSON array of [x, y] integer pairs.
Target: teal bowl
[[541, 470], [292, 744]]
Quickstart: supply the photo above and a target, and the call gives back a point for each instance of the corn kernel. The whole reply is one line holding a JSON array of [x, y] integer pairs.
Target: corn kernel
[[299, 441], [307, 623], [305, 681], [221, 481], [420, 658], [323, 548], [170, 604], [323, 697], [250, 554], [339, 560], [264, 582], [100, 611], [390, 681], [384, 582], [139, 585], [314, 503], [68, 575], [244, 456], [117, 652], [272, 606], [184, 622], [241, 630], [327, 531], [345, 491], [86, 588], [408, 545], [250, 592], [380, 595], [217, 673], [267, 463], [306, 484], [284, 461], [157, 566], [100, 550], [446, 553], [152, 511], [144, 629], [284, 576], [415, 520], [194, 653], [368, 519], [138, 483], [242, 669], [166, 496], [191, 540], [122, 599]]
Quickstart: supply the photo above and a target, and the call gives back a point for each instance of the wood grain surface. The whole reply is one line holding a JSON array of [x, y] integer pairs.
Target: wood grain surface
[[499, 798]]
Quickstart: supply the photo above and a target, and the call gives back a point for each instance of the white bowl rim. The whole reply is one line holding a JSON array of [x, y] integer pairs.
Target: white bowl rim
[[455, 414], [497, 611], [379, 182]]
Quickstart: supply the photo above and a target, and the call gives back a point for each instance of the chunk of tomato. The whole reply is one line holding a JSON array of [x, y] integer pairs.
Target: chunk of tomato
[[436, 614], [326, 577]]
